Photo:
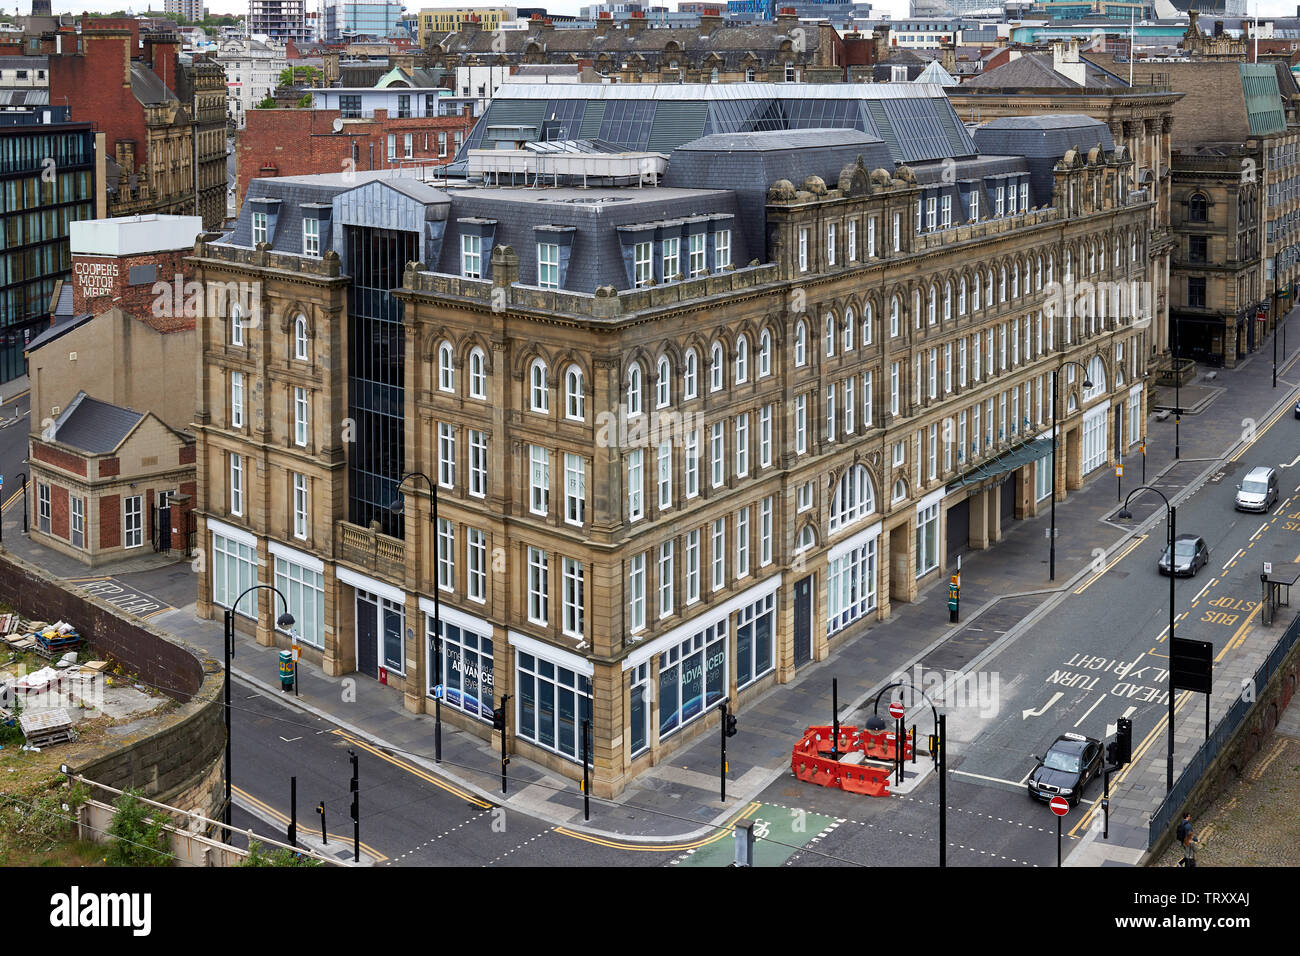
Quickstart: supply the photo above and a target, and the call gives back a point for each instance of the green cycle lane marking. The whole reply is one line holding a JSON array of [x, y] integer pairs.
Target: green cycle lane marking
[[778, 834]]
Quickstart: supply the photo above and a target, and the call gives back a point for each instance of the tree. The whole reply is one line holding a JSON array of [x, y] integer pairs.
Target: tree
[[292, 76], [267, 103]]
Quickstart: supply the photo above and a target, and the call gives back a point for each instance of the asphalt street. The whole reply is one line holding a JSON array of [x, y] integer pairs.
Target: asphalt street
[[14, 418], [1100, 654]]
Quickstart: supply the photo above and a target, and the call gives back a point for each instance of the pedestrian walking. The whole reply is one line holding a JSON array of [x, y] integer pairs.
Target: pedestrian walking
[[1183, 826], [1189, 849]]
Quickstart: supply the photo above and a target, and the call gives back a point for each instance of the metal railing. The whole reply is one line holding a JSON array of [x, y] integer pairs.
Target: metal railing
[[1222, 733]]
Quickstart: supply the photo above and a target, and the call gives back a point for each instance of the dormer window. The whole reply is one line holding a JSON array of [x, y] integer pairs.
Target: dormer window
[[311, 238], [259, 227]]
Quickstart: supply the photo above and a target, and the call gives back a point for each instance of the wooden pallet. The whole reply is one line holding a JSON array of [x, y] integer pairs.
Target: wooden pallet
[[47, 727]]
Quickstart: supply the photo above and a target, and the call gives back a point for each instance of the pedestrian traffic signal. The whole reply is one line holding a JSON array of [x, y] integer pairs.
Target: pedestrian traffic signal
[[731, 725], [1112, 754], [499, 719], [1124, 740]]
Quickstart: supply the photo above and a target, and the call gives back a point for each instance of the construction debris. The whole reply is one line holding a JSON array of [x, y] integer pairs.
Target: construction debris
[[47, 728]]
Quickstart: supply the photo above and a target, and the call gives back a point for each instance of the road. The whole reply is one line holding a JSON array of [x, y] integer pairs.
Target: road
[[15, 412], [1099, 654], [409, 817]]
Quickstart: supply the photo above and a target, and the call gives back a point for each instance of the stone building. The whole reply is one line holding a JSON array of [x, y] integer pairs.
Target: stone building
[[1140, 118], [690, 426]]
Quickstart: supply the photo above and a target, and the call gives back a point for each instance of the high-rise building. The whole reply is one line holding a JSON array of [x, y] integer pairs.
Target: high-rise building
[[280, 20], [344, 20], [189, 9]]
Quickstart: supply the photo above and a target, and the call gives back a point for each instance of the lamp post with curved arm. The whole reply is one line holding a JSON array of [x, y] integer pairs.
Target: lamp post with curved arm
[[1051, 554], [396, 508], [285, 621], [875, 723], [1171, 514]]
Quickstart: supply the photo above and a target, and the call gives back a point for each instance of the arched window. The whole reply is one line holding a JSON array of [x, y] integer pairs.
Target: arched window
[[446, 371], [916, 308], [866, 324], [893, 316], [1038, 272], [947, 301], [1096, 375], [634, 389], [236, 324], [715, 368], [764, 354], [691, 375], [1051, 266], [900, 490], [663, 385], [854, 498], [830, 335], [989, 289], [961, 296], [931, 305], [1002, 284], [849, 322], [742, 359], [477, 374], [801, 344], [538, 399], [300, 338], [1015, 282], [1198, 208], [807, 538], [1092, 257], [975, 293], [1115, 258], [575, 400]]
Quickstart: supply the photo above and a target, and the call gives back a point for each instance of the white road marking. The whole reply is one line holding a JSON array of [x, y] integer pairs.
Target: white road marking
[[980, 776], [1290, 463], [289, 740], [1240, 552], [1111, 728], [1262, 529], [1026, 714], [1201, 592], [1090, 710]]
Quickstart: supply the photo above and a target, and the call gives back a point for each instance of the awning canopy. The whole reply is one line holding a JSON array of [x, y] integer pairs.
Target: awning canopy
[[1022, 454]]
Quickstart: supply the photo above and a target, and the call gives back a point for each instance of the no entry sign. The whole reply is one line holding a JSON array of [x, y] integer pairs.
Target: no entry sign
[[1060, 806], [896, 710]]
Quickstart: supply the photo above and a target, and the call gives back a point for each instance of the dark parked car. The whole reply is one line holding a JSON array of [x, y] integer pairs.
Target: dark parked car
[[1066, 769], [1190, 555], [1297, 409]]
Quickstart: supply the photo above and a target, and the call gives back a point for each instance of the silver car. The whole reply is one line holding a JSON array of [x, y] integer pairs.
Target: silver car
[[1258, 490]]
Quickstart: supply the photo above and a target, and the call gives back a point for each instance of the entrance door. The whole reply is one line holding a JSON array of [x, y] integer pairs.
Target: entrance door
[[367, 634], [958, 530], [803, 621], [1007, 499]]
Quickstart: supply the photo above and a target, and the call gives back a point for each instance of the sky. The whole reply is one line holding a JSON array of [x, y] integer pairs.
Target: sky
[[897, 8]]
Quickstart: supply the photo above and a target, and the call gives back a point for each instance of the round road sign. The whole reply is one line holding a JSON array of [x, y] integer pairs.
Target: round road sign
[[1060, 806], [896, 710]]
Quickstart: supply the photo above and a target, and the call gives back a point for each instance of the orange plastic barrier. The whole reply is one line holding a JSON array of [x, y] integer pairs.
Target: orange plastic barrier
[[809, 765]]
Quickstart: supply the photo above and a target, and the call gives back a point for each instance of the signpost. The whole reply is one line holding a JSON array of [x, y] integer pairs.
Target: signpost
[[1191, 667], [896, 710], [1060, 806]]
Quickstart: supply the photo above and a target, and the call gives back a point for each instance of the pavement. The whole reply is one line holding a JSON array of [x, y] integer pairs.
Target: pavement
[[1005, 592]]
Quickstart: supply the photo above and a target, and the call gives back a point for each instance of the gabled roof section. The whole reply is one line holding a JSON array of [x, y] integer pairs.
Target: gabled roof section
[[93, 426], [935, 73], [148, 87]]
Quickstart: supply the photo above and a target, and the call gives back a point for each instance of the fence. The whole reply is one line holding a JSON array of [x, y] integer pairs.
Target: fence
[[189, 847], [1222, 733]]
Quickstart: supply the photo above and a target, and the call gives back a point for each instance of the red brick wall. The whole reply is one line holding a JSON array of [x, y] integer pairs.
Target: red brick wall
[[60, 459], [187, 456], [96, 85], [97, 281], [302, 142], [110, 467], [110, 521], [59, 522]]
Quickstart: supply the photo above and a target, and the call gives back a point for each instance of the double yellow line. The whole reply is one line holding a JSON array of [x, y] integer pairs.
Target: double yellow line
[[281, 818], [412, 769], [722, 834], [1114, 561]]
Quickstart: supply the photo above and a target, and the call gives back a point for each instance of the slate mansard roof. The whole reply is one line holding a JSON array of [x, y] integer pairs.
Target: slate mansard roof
[[916, 121]]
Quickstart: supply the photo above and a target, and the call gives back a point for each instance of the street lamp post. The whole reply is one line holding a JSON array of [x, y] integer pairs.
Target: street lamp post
[[1171, 513], [396, 508], [1277, 307], [1051, 560], [285, 621]]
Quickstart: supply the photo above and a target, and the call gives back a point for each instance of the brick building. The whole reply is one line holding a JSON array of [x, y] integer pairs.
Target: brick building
[[693, 418], [152, 117], [97, 471], [308, 142]]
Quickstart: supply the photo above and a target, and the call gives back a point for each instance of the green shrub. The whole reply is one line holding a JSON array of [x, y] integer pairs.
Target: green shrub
[[277, 857], [139, 837]]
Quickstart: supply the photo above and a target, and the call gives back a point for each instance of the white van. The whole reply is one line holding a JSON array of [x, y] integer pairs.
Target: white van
[[1258, 490]]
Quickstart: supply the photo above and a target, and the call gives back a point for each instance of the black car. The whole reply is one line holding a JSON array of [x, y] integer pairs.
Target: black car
[[1066, 769], [1297, 409], [1191, 553]]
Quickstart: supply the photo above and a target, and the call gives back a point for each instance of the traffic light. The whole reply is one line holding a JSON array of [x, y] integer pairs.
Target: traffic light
[[499, 719], [1112, 754], [1124, 740], [731, 725]]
